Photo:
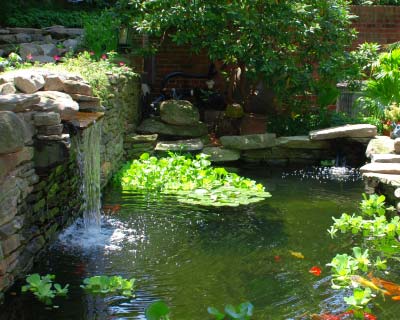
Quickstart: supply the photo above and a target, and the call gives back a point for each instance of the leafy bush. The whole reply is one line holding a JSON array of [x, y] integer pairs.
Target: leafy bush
[[376, 2], [191, 180]]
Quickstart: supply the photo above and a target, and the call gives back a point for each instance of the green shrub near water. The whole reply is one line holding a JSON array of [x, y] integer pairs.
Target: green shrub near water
[[191, 180]]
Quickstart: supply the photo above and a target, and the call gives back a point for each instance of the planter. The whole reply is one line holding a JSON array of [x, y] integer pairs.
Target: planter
[[253, 123]]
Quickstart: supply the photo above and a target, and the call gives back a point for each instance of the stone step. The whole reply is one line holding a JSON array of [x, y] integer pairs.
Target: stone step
[[385, 168], [218, 154], [385, 158], [386, 179]]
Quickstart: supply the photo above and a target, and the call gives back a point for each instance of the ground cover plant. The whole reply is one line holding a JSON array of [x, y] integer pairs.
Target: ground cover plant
[[191, 180]]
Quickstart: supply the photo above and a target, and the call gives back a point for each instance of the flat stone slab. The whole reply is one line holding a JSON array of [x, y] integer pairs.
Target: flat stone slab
[[347, 131], [82, 120], [387, 179], [385, 168], [249, 142], [385, 158], [301, 142], [380, 145], [218, 154], [56, 101], [46, 119], [140, 138], [153, 125], [18, 102], [397, 145], [180, 145], [10, 161]]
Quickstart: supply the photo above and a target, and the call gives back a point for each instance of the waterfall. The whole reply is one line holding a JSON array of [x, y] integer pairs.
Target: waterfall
[[88, 143]]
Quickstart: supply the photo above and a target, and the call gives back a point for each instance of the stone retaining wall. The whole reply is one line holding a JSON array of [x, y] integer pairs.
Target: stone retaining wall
[[39, 175]]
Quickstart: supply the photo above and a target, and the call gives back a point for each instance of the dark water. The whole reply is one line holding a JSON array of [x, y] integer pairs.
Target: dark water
[[194, 258]]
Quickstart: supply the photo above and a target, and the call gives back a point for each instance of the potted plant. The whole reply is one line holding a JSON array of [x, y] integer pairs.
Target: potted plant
[[392, 117]]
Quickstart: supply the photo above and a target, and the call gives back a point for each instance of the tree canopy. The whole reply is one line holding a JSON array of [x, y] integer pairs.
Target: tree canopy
[[289, 44]]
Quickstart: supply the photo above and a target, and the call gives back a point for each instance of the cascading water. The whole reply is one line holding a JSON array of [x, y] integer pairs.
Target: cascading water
[[89, 165]]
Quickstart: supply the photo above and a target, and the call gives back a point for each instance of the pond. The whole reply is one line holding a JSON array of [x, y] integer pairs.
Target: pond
[[194, 258]]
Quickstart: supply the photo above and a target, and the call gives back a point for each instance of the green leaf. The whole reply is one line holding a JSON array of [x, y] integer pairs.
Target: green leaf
[[158, 310]]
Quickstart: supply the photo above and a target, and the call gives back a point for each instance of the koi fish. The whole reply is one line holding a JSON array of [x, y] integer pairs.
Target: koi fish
[[315, 271], [391, 287], [111, 209], [325, 316], [296, 254], [366, 283]]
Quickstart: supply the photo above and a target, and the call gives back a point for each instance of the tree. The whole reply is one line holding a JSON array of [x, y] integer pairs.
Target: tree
[[296, 47]]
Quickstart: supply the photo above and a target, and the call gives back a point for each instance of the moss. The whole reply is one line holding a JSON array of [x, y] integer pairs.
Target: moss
[[39, 205]]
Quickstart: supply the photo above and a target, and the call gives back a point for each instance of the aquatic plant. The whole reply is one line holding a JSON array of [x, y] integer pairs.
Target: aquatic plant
[[379, 243], [44, 288], [191, 180], [157, 310], [109, 284], [243, 311]]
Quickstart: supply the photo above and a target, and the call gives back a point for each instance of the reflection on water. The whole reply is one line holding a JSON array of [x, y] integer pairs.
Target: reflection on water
[[194, 258]]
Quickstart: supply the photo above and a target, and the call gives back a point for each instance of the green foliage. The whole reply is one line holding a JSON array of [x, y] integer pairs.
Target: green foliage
[[376, 2], [158, 310], [101, 33], [95, 71], [41, 18], [191, 180], [380, 242], [44, 288], [282, 42], [113, 284], [243, 311]]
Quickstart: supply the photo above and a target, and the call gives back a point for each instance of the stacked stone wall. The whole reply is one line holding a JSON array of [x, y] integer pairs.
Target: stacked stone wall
[[40, 187]]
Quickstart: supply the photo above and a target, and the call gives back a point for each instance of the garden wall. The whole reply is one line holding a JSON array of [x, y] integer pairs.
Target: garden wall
[[40, 184]]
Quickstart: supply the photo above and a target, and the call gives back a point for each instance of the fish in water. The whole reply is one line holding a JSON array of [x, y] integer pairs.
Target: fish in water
[[391, 287], [111, 208], [296, 254], [315, 271], [367, 283]]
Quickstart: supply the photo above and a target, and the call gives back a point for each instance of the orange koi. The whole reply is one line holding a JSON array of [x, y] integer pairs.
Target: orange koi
[[111, 209], [366, 283], [391, 287]]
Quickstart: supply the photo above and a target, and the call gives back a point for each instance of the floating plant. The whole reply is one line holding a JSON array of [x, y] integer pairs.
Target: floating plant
[[191, 180]]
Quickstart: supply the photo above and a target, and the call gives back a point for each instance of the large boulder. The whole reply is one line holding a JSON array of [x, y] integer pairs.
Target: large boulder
[[56, 101], [77, 87], [29, 82], [179, 112], [249, 142], [11, 132], [346, 131], [218, 154], [380, 145], [7, 88], [18, 102], [33, 49], [154, 125]]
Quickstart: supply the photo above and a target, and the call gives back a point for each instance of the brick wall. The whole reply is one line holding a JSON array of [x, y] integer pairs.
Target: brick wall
[[379, 24]]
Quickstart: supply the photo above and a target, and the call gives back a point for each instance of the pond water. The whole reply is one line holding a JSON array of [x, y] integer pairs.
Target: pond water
[[194, 258]]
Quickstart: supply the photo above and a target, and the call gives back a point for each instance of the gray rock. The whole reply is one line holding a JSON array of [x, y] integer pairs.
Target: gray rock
[[346, 131], [49, 49], [142, 138], [82, 98], [50, 153], [249, 142], [42, 59], [397, 145], [54, 82], [12, 227], [10, 244], [18, 102], [33, 49], [384, 168], [72, 86], [7, 39], [180, 145], [54, 137], [179, 112], [23, 38], [218, 154], [10, 161], [11, 132], [71, 44], [50, 130], [29, 128], [385, 158], [154, 125], [7, 88], [46, 119], [29, 82], [25, 30], [56, 101], [380, 145], [301, 142], [60, 32]]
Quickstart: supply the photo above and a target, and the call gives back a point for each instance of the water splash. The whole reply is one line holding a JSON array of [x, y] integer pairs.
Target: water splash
[[88, 143]]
